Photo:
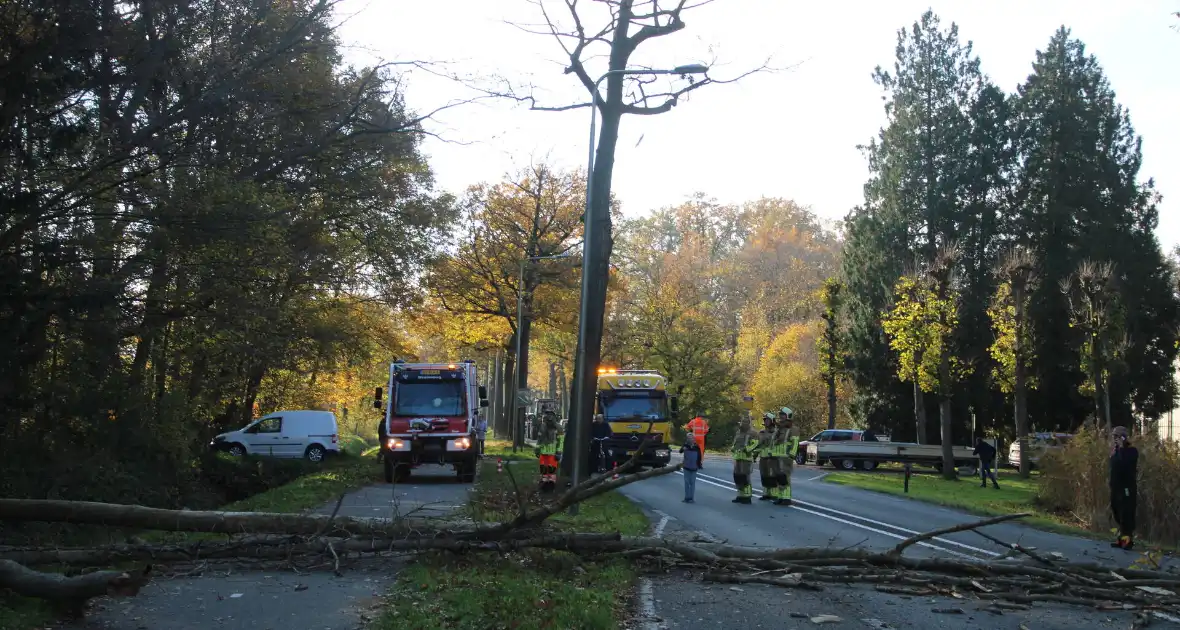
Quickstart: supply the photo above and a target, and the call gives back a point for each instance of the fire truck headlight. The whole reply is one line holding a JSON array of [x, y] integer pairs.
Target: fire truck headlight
[[463, 443]]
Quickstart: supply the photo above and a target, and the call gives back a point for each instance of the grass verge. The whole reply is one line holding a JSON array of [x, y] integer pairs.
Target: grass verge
[[338, 475], [1015, 495], [524, 591]]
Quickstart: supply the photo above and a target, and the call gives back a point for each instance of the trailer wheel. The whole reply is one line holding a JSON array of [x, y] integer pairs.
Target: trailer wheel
[[866, 465], [848, 464]]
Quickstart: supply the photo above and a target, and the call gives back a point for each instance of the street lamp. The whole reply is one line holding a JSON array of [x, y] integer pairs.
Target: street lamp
[[522, 375], [583, 400]]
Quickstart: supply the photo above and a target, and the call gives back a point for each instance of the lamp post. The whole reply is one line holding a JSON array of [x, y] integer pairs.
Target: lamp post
[[521, 380], [583, 392]]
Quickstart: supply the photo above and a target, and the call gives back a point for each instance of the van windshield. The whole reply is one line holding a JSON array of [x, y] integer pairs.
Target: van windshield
[[437, 398]]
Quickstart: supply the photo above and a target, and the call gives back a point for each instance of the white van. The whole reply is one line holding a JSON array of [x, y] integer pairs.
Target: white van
[[288, 434]]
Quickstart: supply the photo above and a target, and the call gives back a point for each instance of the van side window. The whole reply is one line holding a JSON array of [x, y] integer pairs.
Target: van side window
[[843, 436], [270, 425], [825, 436]]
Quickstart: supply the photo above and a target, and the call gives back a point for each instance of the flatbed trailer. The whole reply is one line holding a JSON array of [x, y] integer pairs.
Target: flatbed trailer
[[850, 455]]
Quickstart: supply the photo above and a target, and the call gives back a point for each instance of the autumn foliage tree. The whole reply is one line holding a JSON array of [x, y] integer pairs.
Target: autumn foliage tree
[[537, 212], [1013, 350], [921, 326]]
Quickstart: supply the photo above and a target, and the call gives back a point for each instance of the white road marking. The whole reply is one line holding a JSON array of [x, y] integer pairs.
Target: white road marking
[[659, 531], [647, 606], [890, 526], [796, 505]]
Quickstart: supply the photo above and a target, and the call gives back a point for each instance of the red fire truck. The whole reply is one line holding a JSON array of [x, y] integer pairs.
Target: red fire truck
[[431, 417]]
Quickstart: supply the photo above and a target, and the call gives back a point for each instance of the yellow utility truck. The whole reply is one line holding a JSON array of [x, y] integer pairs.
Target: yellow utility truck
[[636, 405]]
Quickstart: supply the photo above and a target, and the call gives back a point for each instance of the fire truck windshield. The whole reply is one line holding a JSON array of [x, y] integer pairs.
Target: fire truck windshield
[[430, 398], [627, 407]]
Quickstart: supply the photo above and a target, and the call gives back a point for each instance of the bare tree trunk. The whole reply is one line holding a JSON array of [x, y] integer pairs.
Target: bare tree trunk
[[920, 412], [503, 422], [946, 422], [831, 400], [1020, 384]]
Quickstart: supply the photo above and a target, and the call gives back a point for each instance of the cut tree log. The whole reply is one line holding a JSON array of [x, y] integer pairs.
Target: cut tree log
[[71, 592]]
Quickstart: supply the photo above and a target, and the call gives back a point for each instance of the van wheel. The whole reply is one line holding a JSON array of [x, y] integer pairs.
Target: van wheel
[[237, 450], [848, 464], [867, 465], [800, 459], [315, 453]]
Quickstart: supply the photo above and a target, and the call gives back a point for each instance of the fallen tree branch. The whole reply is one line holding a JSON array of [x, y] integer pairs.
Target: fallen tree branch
[[913, 540]]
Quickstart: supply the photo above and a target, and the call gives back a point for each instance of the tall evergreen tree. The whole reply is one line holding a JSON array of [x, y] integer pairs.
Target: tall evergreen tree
[[920, 164], [1079, 197]]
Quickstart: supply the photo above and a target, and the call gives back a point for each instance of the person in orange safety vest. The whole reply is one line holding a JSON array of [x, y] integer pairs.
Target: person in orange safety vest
[[696, 430]]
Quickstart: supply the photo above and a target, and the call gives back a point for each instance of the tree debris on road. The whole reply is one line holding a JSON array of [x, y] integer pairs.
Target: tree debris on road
[[1029, 579]]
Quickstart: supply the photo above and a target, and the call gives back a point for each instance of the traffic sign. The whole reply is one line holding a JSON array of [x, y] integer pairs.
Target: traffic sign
[[523, 399], [748, 402]]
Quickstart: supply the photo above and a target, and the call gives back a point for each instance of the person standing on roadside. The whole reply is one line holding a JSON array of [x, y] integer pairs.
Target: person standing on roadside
[[744, 447], [696, 430], [987, 462], [692, 463], [1124, 487]]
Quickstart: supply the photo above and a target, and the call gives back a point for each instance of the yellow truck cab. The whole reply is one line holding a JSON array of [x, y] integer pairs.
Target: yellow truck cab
[[636, 405]]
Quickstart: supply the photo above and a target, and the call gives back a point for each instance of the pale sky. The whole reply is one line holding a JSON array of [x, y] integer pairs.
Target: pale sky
[[789, 134]]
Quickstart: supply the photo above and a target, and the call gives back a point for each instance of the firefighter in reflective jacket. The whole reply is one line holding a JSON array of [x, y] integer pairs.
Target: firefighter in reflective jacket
[[745, 448], [786, 446], [767, 465], [547, 453]]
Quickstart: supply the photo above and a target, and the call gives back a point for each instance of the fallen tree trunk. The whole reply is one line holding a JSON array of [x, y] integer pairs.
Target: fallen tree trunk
[[140, 517], [73, 592], [250, 523]]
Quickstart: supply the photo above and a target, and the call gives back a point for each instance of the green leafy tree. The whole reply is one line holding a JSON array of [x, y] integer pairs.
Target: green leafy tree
[[932, 168], [1080, 197]]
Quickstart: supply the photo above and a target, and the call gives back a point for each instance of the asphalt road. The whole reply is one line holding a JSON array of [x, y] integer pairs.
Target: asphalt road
[[283, 599], [831, 515]]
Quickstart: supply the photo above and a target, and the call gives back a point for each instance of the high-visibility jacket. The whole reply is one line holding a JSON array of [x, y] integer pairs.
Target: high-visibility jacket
[[697, 428], [547, 444], [745, 446], [765, 443], [786, 444]]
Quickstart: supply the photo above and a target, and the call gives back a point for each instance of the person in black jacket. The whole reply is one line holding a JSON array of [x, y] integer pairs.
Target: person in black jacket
[[1124, 489], [987, 462], [599, 432]]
